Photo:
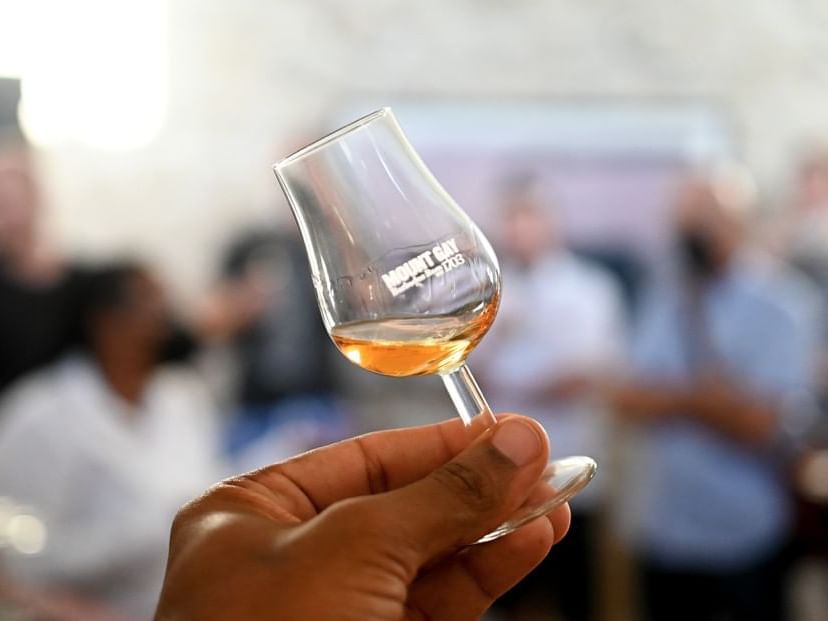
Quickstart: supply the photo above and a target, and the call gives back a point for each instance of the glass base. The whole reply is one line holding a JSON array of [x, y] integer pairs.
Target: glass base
[[562, 479]]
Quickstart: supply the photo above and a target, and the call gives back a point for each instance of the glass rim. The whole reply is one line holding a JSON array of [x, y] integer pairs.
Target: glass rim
[[332, 137]]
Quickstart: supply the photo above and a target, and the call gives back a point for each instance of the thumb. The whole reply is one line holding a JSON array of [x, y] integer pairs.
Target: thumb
[[473, 493]]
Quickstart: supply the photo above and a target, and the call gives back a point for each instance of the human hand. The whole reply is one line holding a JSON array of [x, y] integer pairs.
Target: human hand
[[571, 386], [376, 527], [231, 307], [724, 406], [643, 403]]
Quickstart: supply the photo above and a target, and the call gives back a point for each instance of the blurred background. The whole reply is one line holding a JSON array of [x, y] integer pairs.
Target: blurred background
[[654, 178]]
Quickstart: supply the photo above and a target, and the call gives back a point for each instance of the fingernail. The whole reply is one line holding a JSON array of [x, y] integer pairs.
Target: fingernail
[[517, 441]]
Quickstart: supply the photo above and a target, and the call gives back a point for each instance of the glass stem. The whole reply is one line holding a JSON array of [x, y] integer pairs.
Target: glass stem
[[466, 396]]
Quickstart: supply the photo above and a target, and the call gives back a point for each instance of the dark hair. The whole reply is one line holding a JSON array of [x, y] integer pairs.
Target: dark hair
[[103, 288]]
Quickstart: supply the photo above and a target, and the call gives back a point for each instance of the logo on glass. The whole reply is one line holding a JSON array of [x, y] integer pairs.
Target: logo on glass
[[442, 258]]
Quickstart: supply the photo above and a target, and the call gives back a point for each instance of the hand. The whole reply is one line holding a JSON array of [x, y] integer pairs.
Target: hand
[[231, 307], [370, 528], [644, 403], [572, 386], [728, 408]]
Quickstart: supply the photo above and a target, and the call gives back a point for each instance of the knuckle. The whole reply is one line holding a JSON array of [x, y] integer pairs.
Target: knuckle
[[188, 514], [357, 516], [471, 487]]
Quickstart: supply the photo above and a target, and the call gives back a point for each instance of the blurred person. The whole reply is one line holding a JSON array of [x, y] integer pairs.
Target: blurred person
[[808, 228], [807, 248], [724, 368], [105, 445], [286, 387], [806, 225], [559, 329], [39, 291], [378, 527]]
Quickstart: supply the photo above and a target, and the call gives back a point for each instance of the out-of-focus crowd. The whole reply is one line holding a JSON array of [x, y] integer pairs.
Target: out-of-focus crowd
[[700, 391], [699, 384], [106, 425]]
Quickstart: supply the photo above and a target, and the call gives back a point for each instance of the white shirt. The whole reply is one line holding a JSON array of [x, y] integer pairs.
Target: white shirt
[[561, 316], [106, 477]]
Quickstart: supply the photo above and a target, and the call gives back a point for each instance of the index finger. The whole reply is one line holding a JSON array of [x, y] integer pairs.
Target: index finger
[[370, 464]]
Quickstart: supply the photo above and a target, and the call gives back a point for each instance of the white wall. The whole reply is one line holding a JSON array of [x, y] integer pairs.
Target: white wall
[[250, 78]]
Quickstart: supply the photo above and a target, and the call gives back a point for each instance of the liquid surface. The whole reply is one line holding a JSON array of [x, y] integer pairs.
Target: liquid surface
[[413, 345]]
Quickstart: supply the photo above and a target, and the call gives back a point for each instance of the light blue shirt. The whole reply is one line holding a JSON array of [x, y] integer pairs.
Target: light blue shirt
[[561, 316], [706, 501]]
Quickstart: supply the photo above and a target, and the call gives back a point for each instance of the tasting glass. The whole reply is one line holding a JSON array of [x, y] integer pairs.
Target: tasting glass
[[406, 283]]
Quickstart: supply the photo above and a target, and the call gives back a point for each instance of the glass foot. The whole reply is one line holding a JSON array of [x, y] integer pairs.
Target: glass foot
[[562, 479]]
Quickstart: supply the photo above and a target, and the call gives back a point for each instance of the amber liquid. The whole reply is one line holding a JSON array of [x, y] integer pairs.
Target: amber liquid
[[413, 345]]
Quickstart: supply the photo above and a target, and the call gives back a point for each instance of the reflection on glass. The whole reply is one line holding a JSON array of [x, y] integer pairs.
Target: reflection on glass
[[406, 282]]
